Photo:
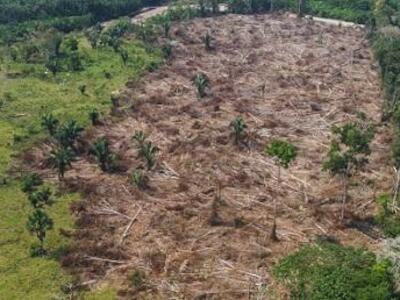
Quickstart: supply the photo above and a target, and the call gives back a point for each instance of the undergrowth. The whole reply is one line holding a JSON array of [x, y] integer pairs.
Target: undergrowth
[[329, 271]]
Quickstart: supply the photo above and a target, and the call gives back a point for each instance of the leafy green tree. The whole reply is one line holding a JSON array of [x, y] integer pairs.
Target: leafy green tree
[[94, 116], [201, 82], [68, 133], [31, 182], [61, 159], [283, 153], [348, 153], [102, 152], [40, 198], [50, 123], [148, 151], [39, 223], [239, 127]]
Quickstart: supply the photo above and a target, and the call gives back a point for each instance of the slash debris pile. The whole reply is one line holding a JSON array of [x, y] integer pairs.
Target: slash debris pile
[[200, 228]]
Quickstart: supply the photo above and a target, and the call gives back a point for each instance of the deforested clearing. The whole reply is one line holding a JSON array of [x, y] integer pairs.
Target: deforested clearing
[[199, 228]]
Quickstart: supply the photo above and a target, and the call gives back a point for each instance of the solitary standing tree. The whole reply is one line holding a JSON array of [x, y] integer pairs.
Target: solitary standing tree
[[61, 159], [348, 153], [283, 153], [39, 223]]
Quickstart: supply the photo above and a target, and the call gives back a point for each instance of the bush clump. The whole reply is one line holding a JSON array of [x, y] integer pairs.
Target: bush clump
[[330, 271]]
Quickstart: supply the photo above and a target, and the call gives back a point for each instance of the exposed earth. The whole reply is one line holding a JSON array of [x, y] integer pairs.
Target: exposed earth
[[201, 230]]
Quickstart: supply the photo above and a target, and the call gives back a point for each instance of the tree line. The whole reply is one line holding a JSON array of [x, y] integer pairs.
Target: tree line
[[12, 11]]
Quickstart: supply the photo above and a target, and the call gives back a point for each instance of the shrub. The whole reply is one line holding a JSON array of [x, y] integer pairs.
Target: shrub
[[30, 182], [329, 271], [41, 198], [388, 220], [39, 223]]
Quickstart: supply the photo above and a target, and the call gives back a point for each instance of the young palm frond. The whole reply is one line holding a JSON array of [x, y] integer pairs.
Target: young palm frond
[[68, 133], [139, 178], [148, 151], [239, 126], [102, 152], [201, 82], [60, 159], [50, 123]]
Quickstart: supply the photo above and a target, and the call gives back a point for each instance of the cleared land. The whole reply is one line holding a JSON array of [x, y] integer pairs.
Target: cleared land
[[201, 229]]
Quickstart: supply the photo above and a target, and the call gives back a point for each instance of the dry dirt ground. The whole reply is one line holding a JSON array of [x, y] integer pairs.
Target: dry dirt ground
[[201, 230]]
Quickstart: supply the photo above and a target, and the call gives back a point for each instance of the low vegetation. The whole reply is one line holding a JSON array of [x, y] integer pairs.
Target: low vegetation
[[329, 271]]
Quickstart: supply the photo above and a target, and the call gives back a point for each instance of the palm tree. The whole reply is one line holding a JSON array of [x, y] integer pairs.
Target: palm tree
[[101, 150], [201, 82], [148, 151], [61, 159], [139, 137], [239, 126], [68, 133], [50, 123]]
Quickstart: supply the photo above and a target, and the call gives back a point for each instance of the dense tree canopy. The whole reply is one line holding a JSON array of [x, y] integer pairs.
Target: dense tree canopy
[[12, 11]]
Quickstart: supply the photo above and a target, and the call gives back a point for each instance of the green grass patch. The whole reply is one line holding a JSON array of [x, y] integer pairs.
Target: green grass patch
[[26, 92], [24, 277], [329, 271]]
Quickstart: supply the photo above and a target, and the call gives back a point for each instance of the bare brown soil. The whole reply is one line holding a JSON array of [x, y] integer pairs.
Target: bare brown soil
[[202, 227]]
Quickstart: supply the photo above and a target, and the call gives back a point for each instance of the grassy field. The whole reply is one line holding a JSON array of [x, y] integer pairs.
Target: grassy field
[[26, 91]]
